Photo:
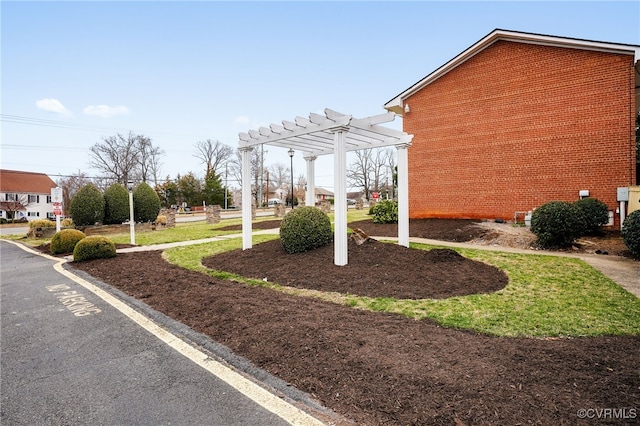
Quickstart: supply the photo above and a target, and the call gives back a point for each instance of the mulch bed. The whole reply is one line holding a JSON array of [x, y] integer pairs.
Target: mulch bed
[[377, 368], [374, 269]]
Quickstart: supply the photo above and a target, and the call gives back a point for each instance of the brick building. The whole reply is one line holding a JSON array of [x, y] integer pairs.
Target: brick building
[[518, 120]]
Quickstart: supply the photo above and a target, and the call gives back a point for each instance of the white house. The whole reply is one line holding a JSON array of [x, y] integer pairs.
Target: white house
[[25, 195]]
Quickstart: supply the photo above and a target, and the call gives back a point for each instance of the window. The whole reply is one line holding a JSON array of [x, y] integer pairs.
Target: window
[[33, 214], [10, 197], [34, 198]]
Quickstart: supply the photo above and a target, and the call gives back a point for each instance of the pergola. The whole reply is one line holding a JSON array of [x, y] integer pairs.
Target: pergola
[[334, 133]]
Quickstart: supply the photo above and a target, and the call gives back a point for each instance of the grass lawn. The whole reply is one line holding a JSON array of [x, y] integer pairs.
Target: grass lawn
[[547, 296]]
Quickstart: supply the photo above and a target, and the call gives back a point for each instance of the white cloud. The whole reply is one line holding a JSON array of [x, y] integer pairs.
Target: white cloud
[[105, 111], [53, 105], [242, 120]]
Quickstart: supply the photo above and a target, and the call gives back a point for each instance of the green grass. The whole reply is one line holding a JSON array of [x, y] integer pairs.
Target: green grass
[[546, 296]]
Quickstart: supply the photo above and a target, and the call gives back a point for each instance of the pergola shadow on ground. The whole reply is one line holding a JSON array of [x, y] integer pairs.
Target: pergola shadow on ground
[[334, 133]]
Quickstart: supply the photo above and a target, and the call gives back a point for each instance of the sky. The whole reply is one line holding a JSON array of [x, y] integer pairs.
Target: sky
[[75, 72]]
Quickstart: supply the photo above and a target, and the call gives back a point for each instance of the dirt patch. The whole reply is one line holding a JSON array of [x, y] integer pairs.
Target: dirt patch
[[385, 369]]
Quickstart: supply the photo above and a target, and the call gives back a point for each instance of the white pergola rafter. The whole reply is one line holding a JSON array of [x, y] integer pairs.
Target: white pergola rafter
[[334, 133]]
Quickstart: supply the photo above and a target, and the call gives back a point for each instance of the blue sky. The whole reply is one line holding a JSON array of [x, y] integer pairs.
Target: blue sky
[[181, 72]]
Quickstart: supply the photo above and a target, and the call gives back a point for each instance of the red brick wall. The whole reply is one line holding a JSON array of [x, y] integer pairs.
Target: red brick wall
[[519, 125]]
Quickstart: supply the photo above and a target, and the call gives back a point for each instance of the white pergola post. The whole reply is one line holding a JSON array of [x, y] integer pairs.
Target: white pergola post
[[403, 194], [310, 196], [247, 242], [340, 196], [332, 133]]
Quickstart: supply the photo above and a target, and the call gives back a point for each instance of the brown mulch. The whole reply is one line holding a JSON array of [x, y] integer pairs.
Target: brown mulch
[[374, 269], [377, 368]]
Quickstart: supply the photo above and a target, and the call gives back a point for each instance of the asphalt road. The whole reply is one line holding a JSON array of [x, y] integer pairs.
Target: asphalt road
[[70, 355]]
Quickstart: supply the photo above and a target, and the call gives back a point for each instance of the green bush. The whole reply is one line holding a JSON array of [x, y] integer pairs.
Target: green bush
[[116, 204], [386, 211], [631, 232], [557, 223], [41, 223], [94, 247], [87, 206], [146, 203], [596, 214], [304, 229], [65, 241]]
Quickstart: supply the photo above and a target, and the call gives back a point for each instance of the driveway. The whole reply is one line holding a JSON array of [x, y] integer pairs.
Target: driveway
[[73, 353]]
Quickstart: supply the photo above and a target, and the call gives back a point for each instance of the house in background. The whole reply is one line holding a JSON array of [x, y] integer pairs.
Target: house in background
[[322, 195], [518, 120], [25, 195]]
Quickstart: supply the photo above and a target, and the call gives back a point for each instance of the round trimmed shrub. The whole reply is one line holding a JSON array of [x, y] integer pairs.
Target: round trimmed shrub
[[87, 206], [596, 214], [41, 223], [94, 247], [631, 232], [386, 211], [116, 204], [146, 203], [557, 223], [304, 229], [65, 241]]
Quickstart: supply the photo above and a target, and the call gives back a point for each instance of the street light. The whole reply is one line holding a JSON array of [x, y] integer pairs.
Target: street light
[[132, 225], [291, 152], [226, 172]]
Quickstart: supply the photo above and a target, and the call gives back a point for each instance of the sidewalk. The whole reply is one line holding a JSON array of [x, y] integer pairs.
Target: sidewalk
[[625, 272]]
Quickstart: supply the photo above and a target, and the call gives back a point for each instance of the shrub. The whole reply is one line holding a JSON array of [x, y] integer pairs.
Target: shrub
[[386, 211], [161, 219], [65, 241], [631, 232], [41, 223], [116, 204], [94, 247], [596, 214], [557, 223], [304, 229], [146, 203], [87, 206], [67, 222]]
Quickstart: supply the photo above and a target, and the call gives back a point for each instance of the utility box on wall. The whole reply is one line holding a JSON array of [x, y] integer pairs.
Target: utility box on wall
[[634, 199]]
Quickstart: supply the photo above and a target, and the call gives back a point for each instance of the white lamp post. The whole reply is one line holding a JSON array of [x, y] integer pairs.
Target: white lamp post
[[132, 224], [291, 152]]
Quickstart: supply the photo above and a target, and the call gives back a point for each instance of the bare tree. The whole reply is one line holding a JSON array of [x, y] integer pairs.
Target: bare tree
[[214, 154], [148, 159], [279, 174], [235, 171], [369, 169], [13, 203], [122, 158]]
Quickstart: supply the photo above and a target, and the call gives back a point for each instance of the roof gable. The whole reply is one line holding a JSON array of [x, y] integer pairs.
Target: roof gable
[[25, 182], [397, 103]]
